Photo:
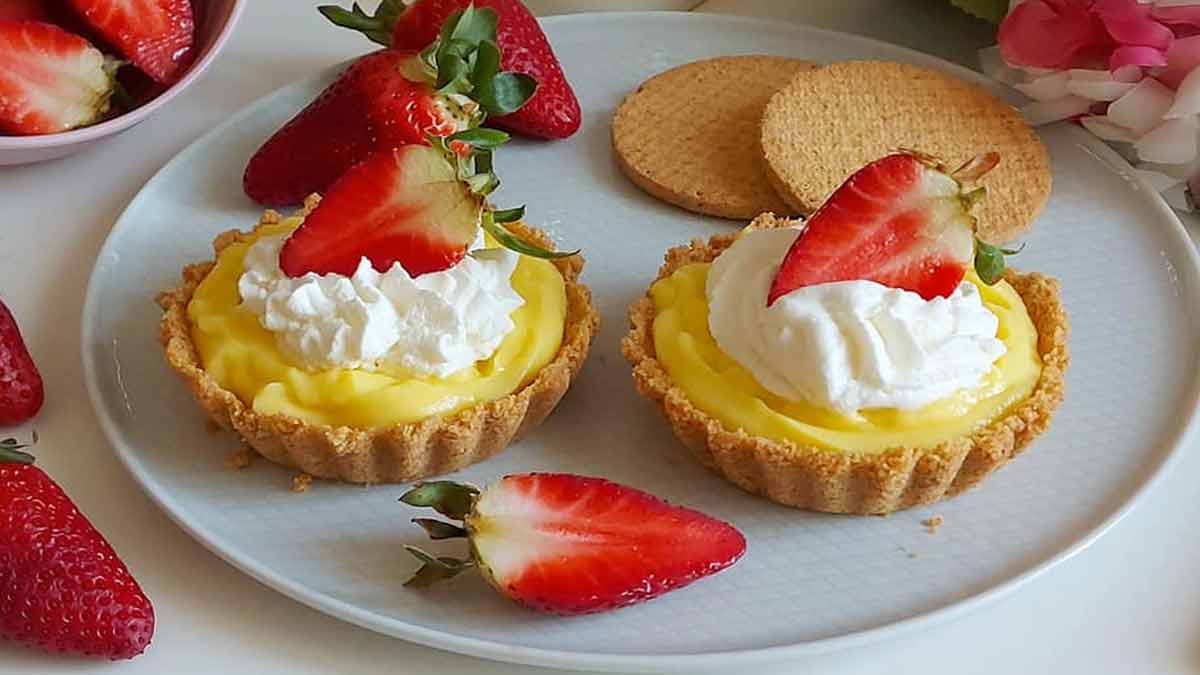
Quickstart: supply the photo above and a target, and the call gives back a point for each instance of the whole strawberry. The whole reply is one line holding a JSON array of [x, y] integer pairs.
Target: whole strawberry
[[568, 544], [385, 100], [21, 391], [62, 588], [553, 112]]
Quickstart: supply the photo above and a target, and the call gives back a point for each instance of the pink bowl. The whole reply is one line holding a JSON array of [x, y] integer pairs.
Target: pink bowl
[[215, 21]]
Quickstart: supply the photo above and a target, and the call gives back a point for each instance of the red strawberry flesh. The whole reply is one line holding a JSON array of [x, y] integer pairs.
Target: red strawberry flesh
[[898, 221], [24, 10], [404, 205], [21, 389], [571, 544], [62, 587], [50, 80], [157, 36]]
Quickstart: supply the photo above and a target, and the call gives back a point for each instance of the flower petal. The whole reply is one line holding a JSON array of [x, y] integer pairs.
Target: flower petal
[[1182, 58], [1104, 129], [1045, 112], [1045, 88], [1048, 34], [1172, 142], [1187, 97], [1136, 55], [1130, 24], [1141, 108], [1098, 85], [1178, 15]]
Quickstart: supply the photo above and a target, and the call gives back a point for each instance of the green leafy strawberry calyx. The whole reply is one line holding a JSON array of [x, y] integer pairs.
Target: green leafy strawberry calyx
[[989, 260], [471, 153], [464, 59], [10, 452], [454, 501]]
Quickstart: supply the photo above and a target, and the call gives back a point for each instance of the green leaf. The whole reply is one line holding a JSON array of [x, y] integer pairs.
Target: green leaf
[[483, 183], [10, 451], [485, 139], [487, 63], [505, 93], [452, 73], [508, 215], [451, 499], [474, 25], [512, 242], [435, 569], [377, 27], [439, 529]]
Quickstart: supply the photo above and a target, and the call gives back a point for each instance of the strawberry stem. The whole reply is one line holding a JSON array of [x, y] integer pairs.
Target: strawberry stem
[[10, 452]]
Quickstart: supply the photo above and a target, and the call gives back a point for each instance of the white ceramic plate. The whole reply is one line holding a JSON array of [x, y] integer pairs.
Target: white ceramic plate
[[809, 582]]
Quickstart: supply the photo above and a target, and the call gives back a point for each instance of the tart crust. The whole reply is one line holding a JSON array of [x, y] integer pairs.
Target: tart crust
[[391, 454], [813, 478]]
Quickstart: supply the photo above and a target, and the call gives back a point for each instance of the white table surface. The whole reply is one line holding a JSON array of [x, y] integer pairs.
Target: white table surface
[[1128, 604]]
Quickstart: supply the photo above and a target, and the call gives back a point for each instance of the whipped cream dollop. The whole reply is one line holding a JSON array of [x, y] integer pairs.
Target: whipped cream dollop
[[435, 324], [846, 345]]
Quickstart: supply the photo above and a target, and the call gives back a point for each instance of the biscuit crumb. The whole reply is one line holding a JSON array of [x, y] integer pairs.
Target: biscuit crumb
[[240, 459], [932, 524], [300, 482]]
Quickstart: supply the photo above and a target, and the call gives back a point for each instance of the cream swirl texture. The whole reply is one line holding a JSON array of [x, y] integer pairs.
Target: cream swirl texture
[[850, 345], [433, 325]]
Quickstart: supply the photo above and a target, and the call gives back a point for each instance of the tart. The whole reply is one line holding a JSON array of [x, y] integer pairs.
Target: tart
[[383, 453], [884, 462]]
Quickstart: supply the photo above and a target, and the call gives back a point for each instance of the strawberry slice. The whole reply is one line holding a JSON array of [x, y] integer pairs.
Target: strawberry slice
[[903, 221], [50, 80], [157, 36], [416, 205], [568, 544], [405, 205], [24, 10]]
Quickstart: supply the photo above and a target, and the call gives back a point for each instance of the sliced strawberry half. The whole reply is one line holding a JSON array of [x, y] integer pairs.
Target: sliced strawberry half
[[417, 205], [157, 36], [404, 205], [50, 80], [570, 544], [903, 221]]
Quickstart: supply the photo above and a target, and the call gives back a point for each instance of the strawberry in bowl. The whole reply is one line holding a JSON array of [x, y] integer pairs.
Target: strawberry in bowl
[[74, 73]]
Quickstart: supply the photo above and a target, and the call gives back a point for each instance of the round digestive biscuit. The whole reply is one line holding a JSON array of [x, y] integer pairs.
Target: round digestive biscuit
[[828, 123], [689, 136]]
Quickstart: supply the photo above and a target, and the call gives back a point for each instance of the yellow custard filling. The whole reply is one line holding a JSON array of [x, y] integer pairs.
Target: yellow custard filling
[[719, 386], [242, 355]]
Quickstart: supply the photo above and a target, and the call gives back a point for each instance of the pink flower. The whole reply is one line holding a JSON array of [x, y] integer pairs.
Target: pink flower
[[1061, 34]]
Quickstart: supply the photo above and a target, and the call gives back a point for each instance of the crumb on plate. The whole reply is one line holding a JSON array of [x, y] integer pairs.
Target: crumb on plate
[[240, 459], [300, 482]]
